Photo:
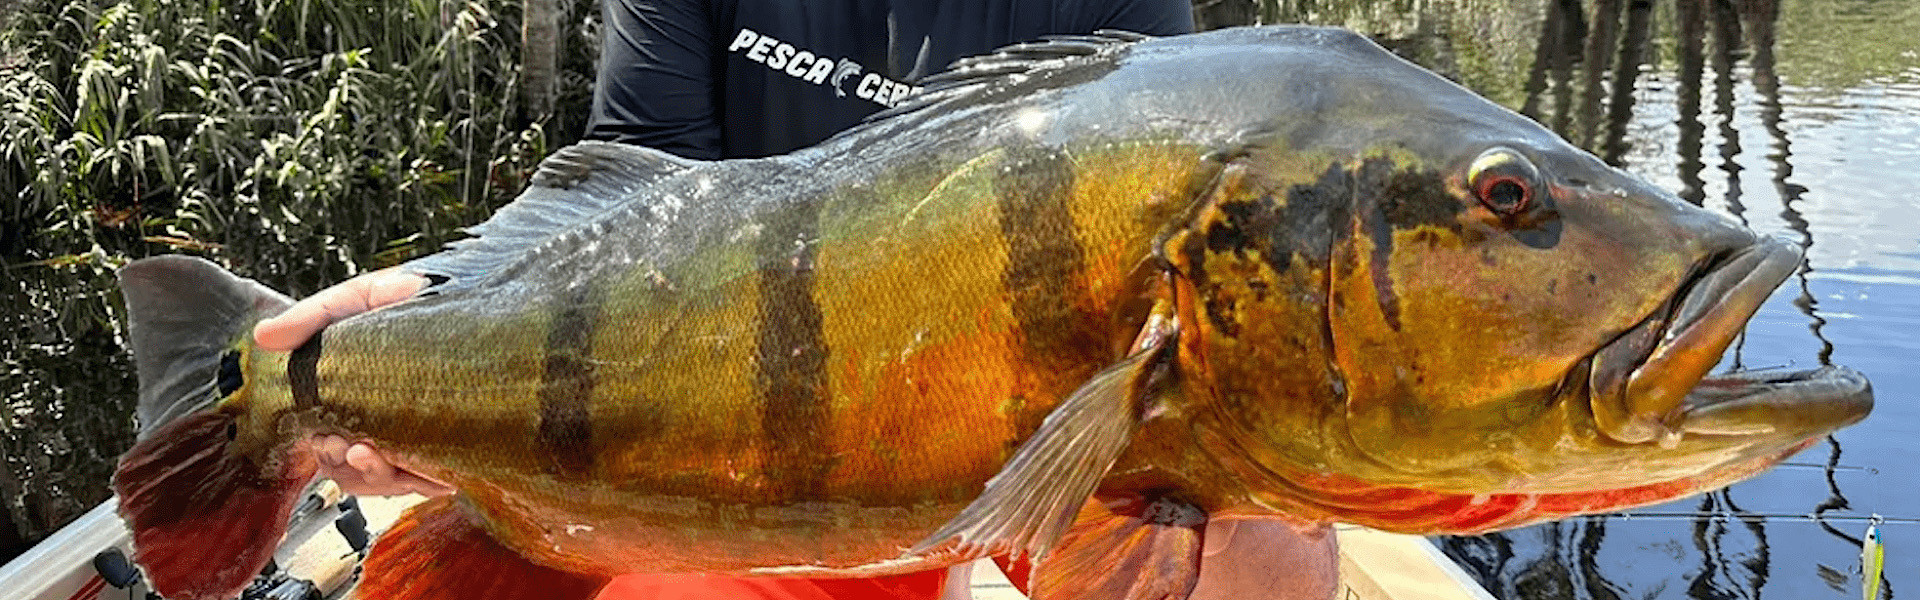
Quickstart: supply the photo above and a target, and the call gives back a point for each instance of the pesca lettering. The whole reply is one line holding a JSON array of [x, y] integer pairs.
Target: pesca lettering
[[867, 86], [781, 55], [813, 68], [745, 38], [758, 53]]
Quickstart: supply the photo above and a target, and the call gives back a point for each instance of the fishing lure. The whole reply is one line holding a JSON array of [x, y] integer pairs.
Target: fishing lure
[[1872, 559]]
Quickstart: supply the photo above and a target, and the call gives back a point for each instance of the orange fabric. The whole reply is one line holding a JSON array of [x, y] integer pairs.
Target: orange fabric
[[1018, 573], [924, 585]]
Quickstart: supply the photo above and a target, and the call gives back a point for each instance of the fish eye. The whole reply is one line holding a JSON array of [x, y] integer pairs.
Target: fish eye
[[1505, 195], [1504, 181]]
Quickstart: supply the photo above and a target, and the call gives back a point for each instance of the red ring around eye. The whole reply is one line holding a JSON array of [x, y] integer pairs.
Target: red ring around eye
[[1505, 194]]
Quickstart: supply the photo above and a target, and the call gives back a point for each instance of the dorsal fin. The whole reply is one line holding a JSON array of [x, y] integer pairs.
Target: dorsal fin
[[976, 76], [573, 188]]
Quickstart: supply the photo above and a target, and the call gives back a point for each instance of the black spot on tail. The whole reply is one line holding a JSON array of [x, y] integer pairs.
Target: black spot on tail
[[230, 378], [792, 353]]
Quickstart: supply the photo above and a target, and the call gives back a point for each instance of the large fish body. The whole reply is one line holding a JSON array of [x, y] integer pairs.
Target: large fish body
[[1255, 273]]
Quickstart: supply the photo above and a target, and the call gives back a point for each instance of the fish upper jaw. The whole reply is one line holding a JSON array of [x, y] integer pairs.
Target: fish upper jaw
[[1651, 383]]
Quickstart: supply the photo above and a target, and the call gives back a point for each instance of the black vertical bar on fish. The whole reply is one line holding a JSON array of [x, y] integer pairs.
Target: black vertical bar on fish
[[303, 372], [791, 354], [1044, 258], [1034, 187], [567, 382], [1371, 204]]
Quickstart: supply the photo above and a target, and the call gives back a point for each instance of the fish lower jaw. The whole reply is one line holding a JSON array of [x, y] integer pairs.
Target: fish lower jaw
[[1785, 402]]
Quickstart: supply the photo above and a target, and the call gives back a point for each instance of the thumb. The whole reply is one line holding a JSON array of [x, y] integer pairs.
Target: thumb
[[289, 329]]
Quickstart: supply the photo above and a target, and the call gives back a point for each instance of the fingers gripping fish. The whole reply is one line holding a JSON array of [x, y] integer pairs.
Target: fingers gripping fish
[[1072, 302]]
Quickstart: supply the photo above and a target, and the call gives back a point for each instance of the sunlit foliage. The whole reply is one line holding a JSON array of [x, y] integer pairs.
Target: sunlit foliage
[[297, 141]]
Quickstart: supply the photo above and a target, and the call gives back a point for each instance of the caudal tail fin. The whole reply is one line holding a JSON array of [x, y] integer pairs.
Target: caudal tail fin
[[205, 515], [185, 315]]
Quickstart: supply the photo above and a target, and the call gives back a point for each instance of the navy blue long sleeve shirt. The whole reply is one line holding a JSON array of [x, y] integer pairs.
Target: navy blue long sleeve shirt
[[716, 79]]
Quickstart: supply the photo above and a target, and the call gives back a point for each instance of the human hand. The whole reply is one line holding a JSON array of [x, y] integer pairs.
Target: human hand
[[357, 467], [1267, 559], [286, 331], [361, 470]]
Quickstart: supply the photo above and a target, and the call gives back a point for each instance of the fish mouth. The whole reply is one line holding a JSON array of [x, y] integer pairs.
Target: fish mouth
[[1651, 383]]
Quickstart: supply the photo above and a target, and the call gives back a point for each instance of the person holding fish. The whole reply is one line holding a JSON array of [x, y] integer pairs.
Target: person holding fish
[[1086, 300], [716, 80]]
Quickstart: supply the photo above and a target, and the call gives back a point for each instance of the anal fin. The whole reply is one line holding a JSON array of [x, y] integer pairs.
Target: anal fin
[[1131, 548], [437, 550]]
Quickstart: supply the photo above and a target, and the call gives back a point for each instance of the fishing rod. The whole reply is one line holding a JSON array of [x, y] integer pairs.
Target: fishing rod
[[1694, 516], [1824, 466]]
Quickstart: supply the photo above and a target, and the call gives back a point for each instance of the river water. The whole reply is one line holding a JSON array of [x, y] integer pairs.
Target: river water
[[1799, 117]]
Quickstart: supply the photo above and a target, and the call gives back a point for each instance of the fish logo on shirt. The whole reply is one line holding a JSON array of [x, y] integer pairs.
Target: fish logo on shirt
[[841, 72]]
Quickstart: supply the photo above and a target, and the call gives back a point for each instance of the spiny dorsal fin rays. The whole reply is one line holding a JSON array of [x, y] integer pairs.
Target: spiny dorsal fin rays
[[574, 190], [974, 75], [1033, 500]]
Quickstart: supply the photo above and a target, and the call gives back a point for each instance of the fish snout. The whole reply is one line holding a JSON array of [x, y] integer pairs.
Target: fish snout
[[1642, 383]]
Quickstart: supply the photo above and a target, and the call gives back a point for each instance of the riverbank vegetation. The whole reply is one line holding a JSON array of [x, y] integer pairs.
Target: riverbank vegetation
[[299, 141], [302, 141]]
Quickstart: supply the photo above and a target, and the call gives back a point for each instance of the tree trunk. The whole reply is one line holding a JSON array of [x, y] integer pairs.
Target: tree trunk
[[1215, 14], [540, 57], [12, 542]]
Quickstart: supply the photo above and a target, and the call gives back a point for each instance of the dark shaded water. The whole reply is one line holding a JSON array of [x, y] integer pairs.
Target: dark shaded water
[[1800, 117]]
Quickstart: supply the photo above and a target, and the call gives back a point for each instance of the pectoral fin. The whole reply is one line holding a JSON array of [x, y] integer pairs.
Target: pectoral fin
[[1133, 548], [1035, 497]]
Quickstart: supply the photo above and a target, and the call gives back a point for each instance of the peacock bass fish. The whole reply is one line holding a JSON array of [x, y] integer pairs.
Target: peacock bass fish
[[1070, 303]]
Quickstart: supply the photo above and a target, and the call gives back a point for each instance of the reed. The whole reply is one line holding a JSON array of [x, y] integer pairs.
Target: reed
[[299, 141]]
